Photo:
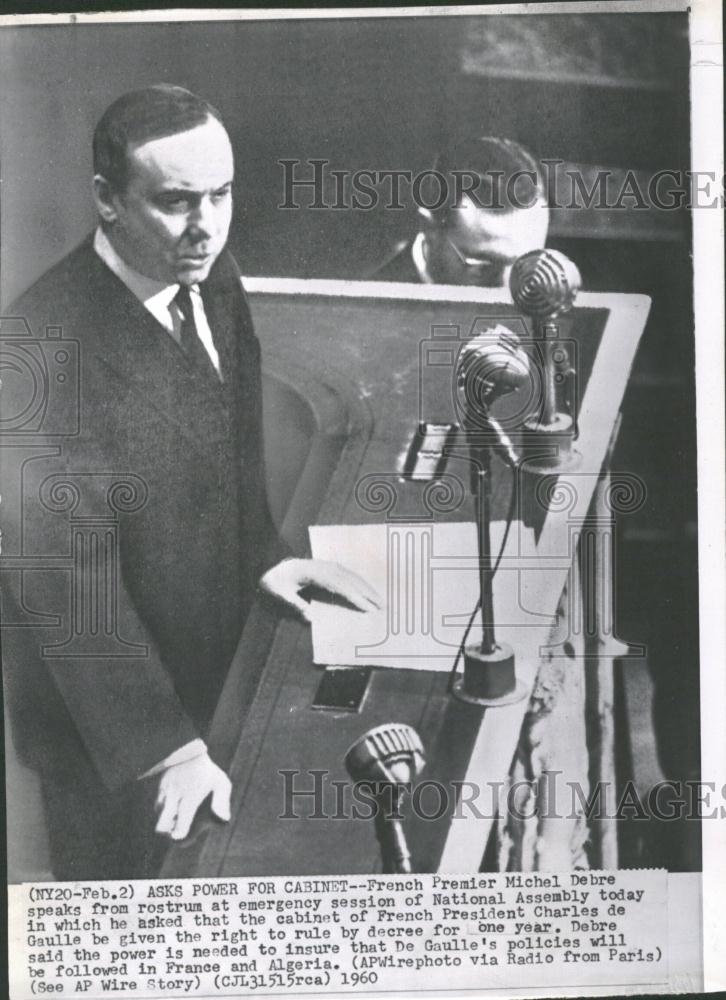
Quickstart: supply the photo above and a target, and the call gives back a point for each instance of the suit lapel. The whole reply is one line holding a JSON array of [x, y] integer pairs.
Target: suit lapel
[[219, 297], [141, 351]]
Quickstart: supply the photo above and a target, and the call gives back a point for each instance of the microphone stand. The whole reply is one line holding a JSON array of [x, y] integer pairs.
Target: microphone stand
[[489, 667], [483, 498]]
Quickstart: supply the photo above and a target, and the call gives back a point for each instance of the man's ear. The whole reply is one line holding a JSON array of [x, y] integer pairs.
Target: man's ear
[[104, 198]]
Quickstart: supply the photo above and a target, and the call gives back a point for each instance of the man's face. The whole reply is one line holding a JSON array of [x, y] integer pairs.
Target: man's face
[[478, 246], [171, 221]]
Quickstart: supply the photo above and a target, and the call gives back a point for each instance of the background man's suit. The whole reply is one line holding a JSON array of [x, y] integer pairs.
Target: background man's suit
[[398, 266], [190, 557]]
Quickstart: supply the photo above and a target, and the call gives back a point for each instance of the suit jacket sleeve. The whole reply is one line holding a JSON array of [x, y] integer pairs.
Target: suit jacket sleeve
[[83, 672], [101, 669]]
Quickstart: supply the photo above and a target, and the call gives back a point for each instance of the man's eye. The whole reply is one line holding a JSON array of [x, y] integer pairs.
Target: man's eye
[[221, 194], [175, 203]]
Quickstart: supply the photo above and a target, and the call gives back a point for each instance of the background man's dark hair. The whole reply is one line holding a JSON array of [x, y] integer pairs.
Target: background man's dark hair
[[149, 113], [503, 174]]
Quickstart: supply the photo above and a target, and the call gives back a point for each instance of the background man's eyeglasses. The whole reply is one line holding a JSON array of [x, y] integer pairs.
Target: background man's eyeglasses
[[481, 263]]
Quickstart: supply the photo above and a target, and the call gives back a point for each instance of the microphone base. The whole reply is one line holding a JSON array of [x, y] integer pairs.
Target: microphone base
[[547, 448], [489, 679]]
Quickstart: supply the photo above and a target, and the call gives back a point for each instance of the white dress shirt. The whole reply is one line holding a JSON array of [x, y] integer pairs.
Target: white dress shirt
[[158, 297]]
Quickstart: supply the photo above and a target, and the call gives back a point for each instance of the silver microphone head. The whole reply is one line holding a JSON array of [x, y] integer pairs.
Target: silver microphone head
[[389, 753], [544, 283], [489, 366]]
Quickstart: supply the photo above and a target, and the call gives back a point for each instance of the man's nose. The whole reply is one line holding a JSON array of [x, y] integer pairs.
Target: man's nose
[[202, 219]]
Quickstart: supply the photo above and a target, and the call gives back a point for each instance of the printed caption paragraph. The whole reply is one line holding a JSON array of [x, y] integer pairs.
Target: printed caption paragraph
[[358, 933]]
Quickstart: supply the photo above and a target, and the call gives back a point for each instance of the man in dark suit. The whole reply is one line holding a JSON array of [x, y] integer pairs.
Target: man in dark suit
[[158, 497], [490, 207]]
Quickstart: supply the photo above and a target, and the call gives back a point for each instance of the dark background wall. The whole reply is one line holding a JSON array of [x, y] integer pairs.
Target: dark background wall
[[357, 92], [363, 93]]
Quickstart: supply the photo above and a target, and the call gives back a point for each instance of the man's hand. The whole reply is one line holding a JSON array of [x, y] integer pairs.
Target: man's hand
[[288, 578], [182, 789]]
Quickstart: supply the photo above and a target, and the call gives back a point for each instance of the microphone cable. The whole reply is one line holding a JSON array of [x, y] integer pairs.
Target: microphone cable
[[510, 517]]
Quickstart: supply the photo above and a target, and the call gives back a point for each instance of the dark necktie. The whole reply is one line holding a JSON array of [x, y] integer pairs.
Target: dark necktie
[[190, 343]]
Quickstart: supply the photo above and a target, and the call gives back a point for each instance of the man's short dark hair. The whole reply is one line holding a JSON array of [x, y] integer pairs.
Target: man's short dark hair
[[149, 113], [502, 173]]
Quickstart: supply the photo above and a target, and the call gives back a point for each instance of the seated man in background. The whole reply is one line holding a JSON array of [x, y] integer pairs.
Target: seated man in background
[[490, 207]]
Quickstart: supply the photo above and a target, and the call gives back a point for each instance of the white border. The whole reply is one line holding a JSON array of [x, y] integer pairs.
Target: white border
[[222, 14], [708, 263], [707, 154]]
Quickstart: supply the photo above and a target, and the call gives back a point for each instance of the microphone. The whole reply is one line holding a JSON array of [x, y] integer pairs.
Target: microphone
[[489, 367], [388, 757], [544, 285]]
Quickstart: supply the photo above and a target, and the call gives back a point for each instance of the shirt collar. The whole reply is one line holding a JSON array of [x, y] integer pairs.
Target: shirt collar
[[147, 290], [419, 259]]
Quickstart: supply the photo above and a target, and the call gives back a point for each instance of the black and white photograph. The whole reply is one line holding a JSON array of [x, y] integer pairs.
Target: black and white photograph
[[355, 402]]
